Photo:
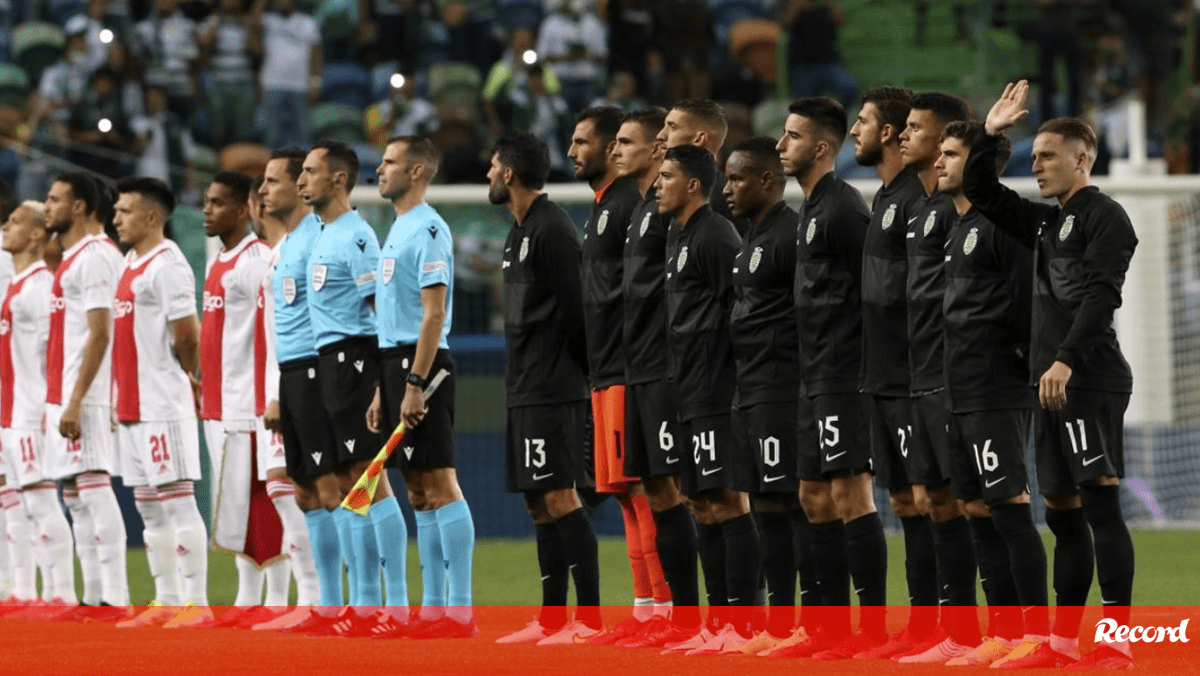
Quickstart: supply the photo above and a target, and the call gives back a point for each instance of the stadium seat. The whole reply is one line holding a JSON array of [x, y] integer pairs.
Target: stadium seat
[[35, 45], [369, 158], [347, 83], [754, 43], [337, 121], [14, 85], [61, 10], [454, 83]]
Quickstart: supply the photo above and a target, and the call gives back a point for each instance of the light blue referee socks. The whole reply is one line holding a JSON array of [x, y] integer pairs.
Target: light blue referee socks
[[366, 562], [458, 547], [433, 566], [346, 544], [323, 536], [392, 536]]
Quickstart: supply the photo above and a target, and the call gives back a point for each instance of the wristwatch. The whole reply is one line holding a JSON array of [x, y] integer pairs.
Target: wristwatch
[[414, 379]]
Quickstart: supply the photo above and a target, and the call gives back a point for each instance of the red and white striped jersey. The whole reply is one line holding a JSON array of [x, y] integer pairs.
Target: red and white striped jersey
[[232, 348], [266, 301], [85, 280], [24, 324], [149, 384]]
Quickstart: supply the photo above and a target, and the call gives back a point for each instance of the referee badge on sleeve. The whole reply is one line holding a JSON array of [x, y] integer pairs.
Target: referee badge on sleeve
[[318, 276], [389, 268], [289, 290]]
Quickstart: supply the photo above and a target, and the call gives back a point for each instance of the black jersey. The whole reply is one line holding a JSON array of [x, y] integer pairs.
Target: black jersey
[[885, 286], [829, 258], [926, 282], [603, 254], [986, 304], [766, 345], [643, 287], [699, 298], [543, 309], [1081, 254]]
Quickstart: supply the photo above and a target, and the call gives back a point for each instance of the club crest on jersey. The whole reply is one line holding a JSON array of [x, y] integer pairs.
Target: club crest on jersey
[[4, 327], [929, 221], [602, 224], [971, 240], [755, 258], [319, 273], [524, 250], [1067, 226], [682, 260], [811, 232], [289, 290], [889, 216], [645, 225], [389, 268]]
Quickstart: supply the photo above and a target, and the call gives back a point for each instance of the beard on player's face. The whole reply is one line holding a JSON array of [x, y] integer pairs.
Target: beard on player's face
[[498, 193], [869, 154]]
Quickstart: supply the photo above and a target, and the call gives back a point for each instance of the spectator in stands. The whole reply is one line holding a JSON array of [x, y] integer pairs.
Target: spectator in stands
[[132, 83], [1056, 35], [1154, 26], [469, 23], [962, 33], [477, 261], [572, 41], [99, 127], [291, 73], [544, 114], [95, 21], [393, 25], [165, 143], [166, 43], [64, 82], [230, 41], [814, 59], [683, 31], [509, 73], [622, 93], [631, 40], [403, 113]]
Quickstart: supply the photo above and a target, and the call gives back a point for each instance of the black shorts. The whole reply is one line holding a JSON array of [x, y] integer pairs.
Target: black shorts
[[429, 445], [1080, 443], [891, 428], [714, 461], [654, 441], [307, 437], [928, 445], [838, 424], [766, 433], [547, 447], [989, 454], [349, 371]]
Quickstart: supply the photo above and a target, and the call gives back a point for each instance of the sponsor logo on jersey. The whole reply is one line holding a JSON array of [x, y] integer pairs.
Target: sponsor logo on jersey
[[122, 308], [971, 240], [213, 302], [289, 290], [602, 224], [4, 327], [1067, 226], [889, 217], [524, 250], [57, 303], [645, 224], [682, 260], [388, 269], [929, 221], [811, 232], [755, 258], [319, 272]]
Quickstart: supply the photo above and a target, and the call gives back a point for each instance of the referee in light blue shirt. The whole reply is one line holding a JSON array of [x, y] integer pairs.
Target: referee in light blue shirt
[[413, 292], [341, 292]]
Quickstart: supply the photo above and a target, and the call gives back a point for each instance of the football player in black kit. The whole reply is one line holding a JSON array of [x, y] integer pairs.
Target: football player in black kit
[[701, 122], [834, 462], [1082, 247], [546, 387], [766, 352], [700, 260], [885, 373], [592, 142], [987, 284], [927, 440]]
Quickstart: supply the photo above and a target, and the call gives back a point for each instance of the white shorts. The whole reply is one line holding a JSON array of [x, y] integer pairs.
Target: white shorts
[[270, 450], [157, 453], [94, 451], [24, 456]]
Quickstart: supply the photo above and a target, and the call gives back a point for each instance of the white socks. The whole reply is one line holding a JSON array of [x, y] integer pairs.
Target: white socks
[[108, 530], [295, 542], [191, 539], [250, 582], [85, 545], [41, 499], [20, 548], [160, 545], [279, 578]]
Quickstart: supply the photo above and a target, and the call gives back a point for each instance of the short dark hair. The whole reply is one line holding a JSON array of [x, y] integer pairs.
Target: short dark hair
[[695, 162], [83, 187], [340, 157], [151, 189], [295, 160], [946, 107], [420, 148], [1073, 129], [255, 185], [762, 150], [708, 112], [527, 155], [893, 104], [237, 183], [969, 131], [606, 120], [650, 119], [106, 197], [825, 114]]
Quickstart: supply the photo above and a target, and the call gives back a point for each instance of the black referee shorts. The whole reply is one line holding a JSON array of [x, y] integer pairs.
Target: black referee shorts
[[766, 434], [349, 371], [891, 427], [1082, 442], [308, 442], [547, 447], [928, 446], [654, 441], [429, 445]]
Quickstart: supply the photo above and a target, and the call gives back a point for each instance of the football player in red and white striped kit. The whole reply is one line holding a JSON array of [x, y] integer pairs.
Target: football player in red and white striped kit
[[155, 353], [16, 564], [24, 322], [80, 442], [233, 356]]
